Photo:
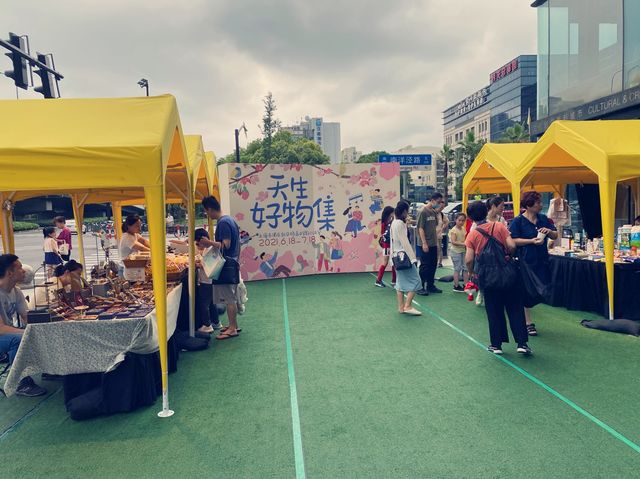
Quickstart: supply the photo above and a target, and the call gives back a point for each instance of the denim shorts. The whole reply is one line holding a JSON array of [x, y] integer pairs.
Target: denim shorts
[[458, 262]]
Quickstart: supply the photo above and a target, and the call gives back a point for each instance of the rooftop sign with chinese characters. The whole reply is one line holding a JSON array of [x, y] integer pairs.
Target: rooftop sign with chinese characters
[[504, 71], [472, 102], [307, 219]]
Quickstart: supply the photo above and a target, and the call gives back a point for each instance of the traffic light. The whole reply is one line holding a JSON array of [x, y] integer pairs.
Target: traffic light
[[49, 88], [21, 67]]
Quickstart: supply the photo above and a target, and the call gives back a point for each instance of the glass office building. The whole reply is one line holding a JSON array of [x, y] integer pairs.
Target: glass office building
[[513, 95], [588, 60]]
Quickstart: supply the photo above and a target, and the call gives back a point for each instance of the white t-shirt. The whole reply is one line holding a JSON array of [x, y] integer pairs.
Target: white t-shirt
[[50, 245], [203, 278], [126, 244], [12, 306]]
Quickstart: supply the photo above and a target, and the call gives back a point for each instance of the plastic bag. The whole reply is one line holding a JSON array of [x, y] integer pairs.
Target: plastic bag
[[212, 263]]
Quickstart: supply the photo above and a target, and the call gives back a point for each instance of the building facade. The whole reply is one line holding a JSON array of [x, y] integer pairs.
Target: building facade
[[509, 98], [350, 155], [512, 95], [588, 61], [471, 114], [325, 134]]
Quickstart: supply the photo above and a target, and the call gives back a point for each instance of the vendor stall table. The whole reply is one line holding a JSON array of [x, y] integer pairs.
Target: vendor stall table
[[581, 285], [75, 347]]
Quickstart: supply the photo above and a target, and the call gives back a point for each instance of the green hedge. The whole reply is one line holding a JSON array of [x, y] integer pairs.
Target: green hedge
[[25, 226]]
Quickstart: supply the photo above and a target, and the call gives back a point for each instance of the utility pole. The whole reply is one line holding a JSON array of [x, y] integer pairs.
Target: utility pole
[[144, 83], [237, 135]]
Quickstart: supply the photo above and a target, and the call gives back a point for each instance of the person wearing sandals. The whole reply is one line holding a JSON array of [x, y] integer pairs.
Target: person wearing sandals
[[531, 231], [407, 280], [497, 301], [227, 240]]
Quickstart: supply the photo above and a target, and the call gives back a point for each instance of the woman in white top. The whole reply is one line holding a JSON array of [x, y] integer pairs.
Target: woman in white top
[[131, 239], [407, 280], [52, 256]]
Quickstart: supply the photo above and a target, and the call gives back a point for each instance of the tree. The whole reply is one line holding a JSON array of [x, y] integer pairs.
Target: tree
[[270, 126], [515, 134], [285, 148], [371, 157], [466, 152], [447, 158]]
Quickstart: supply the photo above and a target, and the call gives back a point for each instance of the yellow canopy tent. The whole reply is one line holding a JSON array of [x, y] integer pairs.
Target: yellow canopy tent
[[199, 179], [603, 152], [212, 166], [494, 171], [88, 145], [178, 181]]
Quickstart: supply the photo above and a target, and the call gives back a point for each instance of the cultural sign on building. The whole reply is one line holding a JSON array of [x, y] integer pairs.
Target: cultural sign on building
[[308, 219]]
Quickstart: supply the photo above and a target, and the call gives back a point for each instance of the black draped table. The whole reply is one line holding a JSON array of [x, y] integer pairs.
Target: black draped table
[[581, 285], [108, 366]]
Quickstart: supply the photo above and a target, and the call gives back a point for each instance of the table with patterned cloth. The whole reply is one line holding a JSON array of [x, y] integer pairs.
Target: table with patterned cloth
[[91, 346]]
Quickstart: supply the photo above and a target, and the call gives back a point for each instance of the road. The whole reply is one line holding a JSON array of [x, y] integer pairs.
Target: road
[[29, 250]]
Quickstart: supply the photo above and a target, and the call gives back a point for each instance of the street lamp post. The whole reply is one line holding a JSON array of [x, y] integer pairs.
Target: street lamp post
[[237, 135], [144, 83]]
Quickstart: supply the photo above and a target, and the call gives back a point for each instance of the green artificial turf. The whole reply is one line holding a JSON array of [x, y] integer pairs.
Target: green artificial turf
[[379, 395], [386, 395]]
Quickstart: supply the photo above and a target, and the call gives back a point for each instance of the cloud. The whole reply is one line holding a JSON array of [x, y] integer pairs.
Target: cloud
[[384, 70]]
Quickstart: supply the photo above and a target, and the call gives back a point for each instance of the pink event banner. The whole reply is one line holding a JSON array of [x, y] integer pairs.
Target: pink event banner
[[308, 219]]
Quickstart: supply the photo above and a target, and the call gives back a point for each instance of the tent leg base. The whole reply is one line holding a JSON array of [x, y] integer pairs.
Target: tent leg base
[[166, 413]]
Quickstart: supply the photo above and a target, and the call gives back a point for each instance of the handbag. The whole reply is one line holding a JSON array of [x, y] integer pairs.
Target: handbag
[[401, 259], [534, 290], [63, 249], [230, 272], [212, 263]]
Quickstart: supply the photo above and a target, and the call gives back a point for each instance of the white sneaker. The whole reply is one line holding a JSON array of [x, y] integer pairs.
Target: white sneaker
[[412, 312], [205, 329]]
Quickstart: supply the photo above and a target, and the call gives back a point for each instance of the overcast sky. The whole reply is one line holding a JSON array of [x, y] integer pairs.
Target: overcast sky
[[384, 69]]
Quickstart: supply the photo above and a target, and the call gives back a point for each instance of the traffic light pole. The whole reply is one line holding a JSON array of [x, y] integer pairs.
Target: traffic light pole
[[30, 59]]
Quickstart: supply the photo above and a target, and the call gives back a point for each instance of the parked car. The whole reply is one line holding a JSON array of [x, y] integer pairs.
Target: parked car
[[507, 214], [452, 210], [71, 224]]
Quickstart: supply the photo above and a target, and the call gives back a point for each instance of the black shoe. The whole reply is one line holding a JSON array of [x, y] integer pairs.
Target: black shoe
[[422, 292], [29, 388], [434, 289], [458, 289], [494, 350], [524, 349], [380, 284], [531, 329]]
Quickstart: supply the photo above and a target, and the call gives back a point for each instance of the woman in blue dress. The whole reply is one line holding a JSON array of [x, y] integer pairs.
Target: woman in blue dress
[[531, 231]]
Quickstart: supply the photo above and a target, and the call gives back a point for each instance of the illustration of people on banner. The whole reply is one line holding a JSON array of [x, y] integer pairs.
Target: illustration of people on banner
[[290, 216]]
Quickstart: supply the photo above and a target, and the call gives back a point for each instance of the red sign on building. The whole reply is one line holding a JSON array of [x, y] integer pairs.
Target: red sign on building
[[504, 71]]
